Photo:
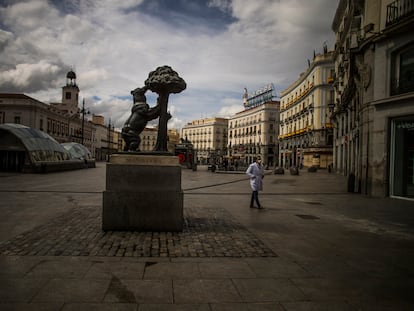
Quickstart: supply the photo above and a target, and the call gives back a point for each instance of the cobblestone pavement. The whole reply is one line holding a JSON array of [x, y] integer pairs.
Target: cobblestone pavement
[[208, 232]]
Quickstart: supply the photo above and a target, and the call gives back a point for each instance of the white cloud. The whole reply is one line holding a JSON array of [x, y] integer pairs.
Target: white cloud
[[229, 111], [223, 5], [29, 76], [27, 15]]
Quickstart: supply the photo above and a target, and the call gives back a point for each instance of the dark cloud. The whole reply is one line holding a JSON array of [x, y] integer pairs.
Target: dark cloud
[[68, 6], [188, 15]]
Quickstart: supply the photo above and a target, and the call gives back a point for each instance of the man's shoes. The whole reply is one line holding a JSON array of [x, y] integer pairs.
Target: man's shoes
[[260, 206]]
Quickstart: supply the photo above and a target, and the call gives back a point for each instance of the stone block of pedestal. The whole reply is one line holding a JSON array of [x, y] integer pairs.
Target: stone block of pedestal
[[143, 193]]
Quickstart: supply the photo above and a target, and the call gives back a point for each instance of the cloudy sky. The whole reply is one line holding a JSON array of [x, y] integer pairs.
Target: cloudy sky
[[218, 47]]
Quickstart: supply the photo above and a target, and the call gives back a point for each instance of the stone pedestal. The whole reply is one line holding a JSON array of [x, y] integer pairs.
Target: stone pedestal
[[143, 193]]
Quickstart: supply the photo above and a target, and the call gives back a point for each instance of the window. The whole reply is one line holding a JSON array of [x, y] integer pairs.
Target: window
[[17, 119], [2, 116], [402, 157], [403, 71], [68, 95]]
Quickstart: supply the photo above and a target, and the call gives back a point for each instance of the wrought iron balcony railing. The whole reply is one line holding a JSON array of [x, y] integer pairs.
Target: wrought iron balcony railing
[[398, 10]]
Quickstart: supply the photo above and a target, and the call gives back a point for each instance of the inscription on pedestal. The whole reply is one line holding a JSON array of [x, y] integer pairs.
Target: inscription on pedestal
[[136, 159]]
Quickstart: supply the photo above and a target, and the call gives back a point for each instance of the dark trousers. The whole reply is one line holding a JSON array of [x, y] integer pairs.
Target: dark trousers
[[255, 197]]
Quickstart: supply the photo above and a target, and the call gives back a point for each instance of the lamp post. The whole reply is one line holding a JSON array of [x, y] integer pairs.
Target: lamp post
[[109, 136], [83, 111]]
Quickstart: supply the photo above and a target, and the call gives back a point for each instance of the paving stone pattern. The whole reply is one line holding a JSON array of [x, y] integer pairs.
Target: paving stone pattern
[[208, 232]]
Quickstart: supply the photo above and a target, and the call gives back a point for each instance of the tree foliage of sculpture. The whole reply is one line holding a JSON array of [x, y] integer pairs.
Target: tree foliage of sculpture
[[164, 81]]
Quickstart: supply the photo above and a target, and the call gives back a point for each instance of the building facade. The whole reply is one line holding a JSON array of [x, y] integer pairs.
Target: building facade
[[64, 121], [148, 139], [209, 138], [374, 89], [22, 109], [173, 139], [253, 132], [107, 139], [306, 130]]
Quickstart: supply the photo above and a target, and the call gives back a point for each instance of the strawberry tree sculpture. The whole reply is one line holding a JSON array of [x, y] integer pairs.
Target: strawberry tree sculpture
[[164, 81]]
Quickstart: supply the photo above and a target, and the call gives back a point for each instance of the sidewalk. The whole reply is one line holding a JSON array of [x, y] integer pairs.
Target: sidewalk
[[314, 247]]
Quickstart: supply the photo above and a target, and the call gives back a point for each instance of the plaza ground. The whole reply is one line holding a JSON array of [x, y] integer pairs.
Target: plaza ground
[[314, 247]]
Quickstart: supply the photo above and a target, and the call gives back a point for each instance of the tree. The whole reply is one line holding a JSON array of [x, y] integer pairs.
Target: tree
[[164, 81]]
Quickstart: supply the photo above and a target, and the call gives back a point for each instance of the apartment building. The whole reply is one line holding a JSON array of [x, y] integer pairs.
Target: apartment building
[[253, 132], [374, 90], [148, 139], [107, 139], [209, 138], [306, 106]]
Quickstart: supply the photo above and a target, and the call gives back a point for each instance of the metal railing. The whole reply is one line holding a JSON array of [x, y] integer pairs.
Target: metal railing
[[398, 10]]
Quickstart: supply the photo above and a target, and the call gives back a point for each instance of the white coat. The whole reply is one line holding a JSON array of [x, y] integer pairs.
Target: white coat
[[256, 173]]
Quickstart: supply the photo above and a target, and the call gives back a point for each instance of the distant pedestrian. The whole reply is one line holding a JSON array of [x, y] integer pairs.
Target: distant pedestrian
[[256, 174], [225, 163]]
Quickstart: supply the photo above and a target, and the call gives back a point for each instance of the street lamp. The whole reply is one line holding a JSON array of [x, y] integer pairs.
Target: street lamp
[[83, 111], [109, 135]]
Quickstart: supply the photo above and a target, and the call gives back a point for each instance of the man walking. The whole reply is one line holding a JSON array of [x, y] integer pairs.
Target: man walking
[[256, 174]]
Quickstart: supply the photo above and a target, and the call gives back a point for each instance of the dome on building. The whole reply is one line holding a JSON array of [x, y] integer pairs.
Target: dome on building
[[71, 75]]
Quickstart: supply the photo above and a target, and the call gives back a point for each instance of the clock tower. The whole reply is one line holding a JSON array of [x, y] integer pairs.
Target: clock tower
[[70, 94]]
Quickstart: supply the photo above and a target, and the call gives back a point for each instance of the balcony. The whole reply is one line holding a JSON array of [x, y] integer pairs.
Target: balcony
[[399, 10]]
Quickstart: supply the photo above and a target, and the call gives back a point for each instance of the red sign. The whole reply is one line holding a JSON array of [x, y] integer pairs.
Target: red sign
[[181, 158]]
